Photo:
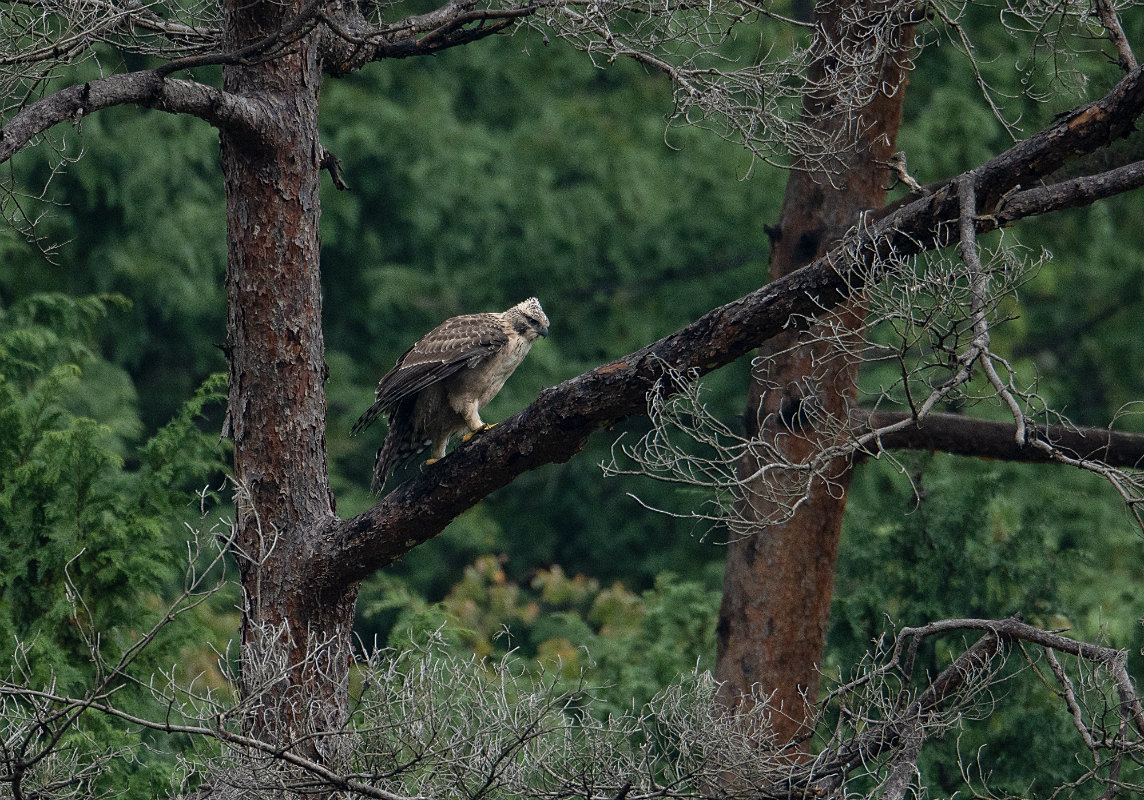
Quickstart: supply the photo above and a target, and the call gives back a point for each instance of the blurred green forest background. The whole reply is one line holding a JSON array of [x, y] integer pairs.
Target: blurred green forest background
[[481, 176]]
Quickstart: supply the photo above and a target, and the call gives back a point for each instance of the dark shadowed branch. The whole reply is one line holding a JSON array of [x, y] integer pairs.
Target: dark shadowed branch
[[980, 438], [1075, 192], [1086, 128]]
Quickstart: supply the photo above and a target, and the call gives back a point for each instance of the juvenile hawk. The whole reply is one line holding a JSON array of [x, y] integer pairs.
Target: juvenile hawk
[[439, 386]]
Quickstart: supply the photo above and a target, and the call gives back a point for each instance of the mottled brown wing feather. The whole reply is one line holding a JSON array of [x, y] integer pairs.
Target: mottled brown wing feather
[[449, 347]]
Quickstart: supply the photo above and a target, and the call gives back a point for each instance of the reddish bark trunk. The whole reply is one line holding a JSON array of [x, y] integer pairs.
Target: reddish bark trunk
[[778, 582], [277, 398]]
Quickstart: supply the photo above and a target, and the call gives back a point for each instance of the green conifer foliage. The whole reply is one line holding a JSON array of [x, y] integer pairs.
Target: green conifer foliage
[[92, 530]]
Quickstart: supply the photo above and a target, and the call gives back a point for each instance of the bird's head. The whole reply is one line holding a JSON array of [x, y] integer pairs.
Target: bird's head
[[530, 318]]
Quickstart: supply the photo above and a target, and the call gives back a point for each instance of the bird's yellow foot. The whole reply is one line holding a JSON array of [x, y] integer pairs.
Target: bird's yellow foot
[[471, 434], [429, 461]]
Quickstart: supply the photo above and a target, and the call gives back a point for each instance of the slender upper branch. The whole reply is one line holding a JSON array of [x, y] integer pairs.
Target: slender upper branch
[[66, 28], [556, 426], [968, 436], [1070, 193], [1083, 130], [353, 41], [147, 88]]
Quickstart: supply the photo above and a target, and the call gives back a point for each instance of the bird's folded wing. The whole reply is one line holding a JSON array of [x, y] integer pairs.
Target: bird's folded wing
[[455, 344]]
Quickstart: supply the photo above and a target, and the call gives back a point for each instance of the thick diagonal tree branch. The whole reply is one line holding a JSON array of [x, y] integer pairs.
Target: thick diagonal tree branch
[[556, 426], [150, 88]]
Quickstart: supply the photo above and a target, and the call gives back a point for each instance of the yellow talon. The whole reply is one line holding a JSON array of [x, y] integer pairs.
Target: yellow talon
[[471, 434], [429, 461]]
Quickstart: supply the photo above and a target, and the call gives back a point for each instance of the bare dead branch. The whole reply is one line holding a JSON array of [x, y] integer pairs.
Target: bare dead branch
[[901, 171], [1068, 690], [974, 665], [352, 40], [905, 764], [1090, 126], [952, 692], [35, 34], [432, 725], [329, 778], [980, 288], [961, 40]]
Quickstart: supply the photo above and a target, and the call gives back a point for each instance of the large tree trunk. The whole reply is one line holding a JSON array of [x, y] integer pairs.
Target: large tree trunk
[[778, 581], [295, 640]]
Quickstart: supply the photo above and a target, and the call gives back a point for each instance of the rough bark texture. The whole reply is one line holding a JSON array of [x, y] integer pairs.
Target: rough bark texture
[[293, 638], [778, 582]]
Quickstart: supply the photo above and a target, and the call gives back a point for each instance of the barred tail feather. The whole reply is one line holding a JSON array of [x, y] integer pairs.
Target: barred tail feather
[[380, 470], [401, 442], [367, 419]]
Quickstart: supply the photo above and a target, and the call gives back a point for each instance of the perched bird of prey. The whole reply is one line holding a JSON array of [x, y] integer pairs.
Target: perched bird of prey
[[439, 386]]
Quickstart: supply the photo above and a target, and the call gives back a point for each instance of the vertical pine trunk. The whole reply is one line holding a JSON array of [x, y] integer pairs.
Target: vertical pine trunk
[[291, 635], [778, 582]]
